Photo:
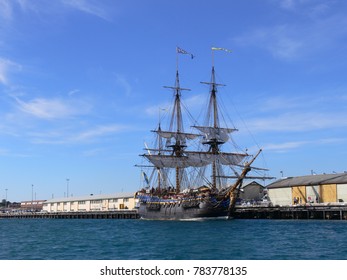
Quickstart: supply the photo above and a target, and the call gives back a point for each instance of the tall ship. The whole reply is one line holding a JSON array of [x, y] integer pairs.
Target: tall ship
[[191, 172]]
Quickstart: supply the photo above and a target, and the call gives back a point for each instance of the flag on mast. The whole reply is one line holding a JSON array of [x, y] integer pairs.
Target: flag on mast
[[220, 49], [182, 51]]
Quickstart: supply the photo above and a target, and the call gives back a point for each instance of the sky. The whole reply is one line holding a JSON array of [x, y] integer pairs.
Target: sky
[[81, 86]]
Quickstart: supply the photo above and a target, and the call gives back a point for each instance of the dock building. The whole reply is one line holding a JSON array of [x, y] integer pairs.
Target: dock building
[[252, 191], [101, 202], [323, 188], [31, 205]]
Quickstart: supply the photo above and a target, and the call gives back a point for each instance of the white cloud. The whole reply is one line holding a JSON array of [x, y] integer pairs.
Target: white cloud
[[5, 9], [8, 153], [70, 136], [291, 145], [298, 121], [287, 4], [312, 30], [7, 66], [124, 84], [93, 152], [73, 92], [281, 40], [55, 108], [283, 147], [9, 8], [191, 104], [99, 131], [90, 7]]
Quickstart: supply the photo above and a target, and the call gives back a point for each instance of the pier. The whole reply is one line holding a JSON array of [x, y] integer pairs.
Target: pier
[[122, 214], [320, 212], [302, 212]]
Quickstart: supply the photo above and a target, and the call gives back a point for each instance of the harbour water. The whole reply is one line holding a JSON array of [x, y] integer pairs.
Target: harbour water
[[49, 239]]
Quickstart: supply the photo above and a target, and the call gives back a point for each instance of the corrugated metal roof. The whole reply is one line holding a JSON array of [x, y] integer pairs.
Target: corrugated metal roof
[[310, 180], [246, 184], [92, 197]]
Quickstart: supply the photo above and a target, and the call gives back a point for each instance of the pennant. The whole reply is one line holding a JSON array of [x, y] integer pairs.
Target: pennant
[[220, 49], [182, 51], [145, 177]]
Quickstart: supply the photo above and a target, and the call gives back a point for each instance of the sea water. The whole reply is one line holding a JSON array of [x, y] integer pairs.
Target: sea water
[[51, 239]]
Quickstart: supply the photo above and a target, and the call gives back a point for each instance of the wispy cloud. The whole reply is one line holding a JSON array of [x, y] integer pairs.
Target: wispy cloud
[[313, 31], [73, 135], [124, 84], [5, 9], [192, 103], [10, 153], [73, 92], [287, 4], [48, 109], [9, 8], [90, 7], [99, 131], [6, 66], [300, 112], [291, 145], [296, 122], [308, 7], [284, 147]]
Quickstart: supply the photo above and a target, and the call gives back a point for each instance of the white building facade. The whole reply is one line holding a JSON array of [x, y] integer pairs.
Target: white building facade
[[109, 202]]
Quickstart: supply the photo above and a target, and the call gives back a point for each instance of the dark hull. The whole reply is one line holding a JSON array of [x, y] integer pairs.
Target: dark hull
[[153, 211]]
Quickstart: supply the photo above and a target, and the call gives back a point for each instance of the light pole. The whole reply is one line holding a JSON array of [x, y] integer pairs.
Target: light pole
[[6, 198], [32, 197], [67, 187]]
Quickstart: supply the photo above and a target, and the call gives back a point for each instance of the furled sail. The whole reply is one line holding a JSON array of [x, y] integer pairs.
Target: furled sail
[[171, 161], [195, 159], [221, 135], [176, 135], [222, 158]]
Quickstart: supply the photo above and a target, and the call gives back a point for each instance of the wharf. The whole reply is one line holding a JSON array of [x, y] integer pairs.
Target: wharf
[[122, 214], [308, 211], [316, 211]]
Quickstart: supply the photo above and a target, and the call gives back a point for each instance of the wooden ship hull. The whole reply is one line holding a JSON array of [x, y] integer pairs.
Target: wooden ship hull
[[182, 211]]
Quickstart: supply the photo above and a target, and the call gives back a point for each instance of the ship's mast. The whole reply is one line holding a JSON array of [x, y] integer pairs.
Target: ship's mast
[[213, 120], [176, 120], [160, 147]]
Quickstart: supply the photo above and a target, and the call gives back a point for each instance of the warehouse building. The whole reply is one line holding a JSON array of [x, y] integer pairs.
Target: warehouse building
[[323, 188], [101, 202], [252, 191]]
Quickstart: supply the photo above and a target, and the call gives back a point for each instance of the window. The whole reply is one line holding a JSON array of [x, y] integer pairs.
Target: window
[[96, 201]]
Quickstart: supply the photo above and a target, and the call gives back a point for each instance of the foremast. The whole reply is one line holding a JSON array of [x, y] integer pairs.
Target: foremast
[[176, 120], [176, 141]]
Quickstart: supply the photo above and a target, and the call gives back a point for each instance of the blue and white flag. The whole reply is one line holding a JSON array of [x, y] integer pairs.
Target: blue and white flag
[[182, 51]]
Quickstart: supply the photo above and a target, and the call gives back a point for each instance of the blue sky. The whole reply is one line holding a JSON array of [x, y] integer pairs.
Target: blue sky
[[81, 85]]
